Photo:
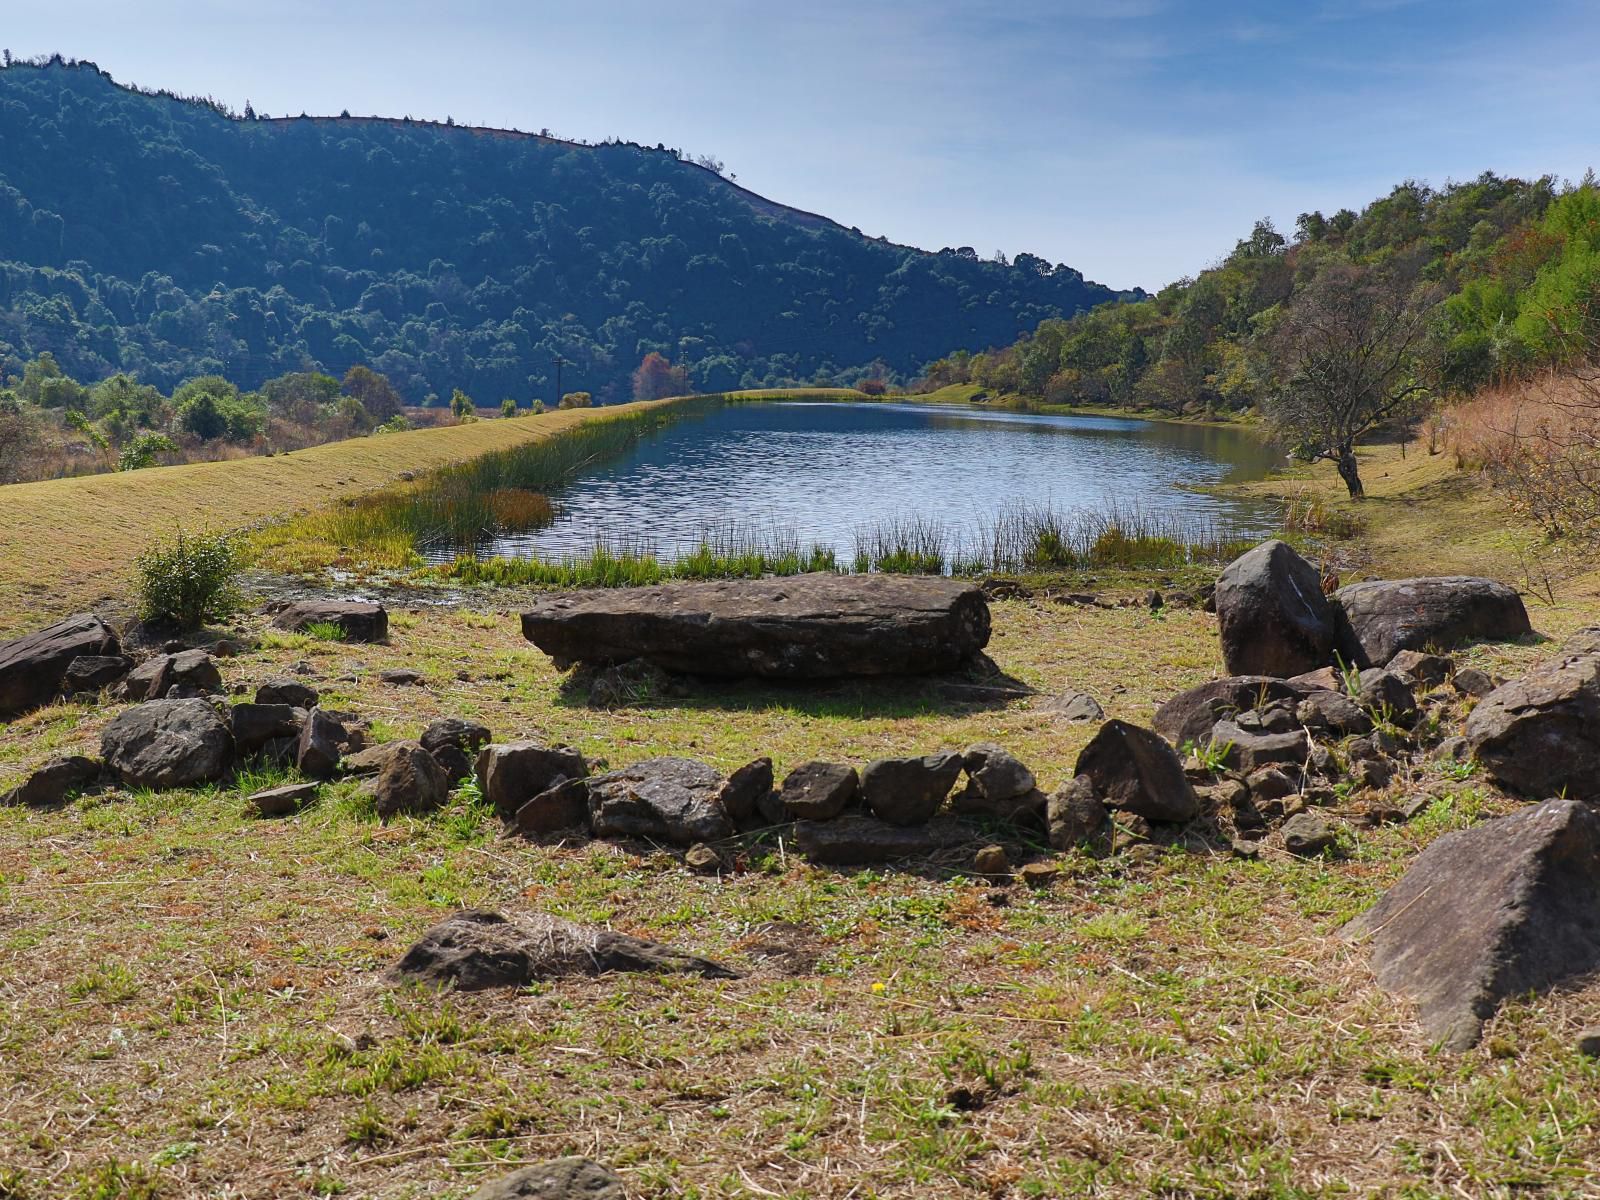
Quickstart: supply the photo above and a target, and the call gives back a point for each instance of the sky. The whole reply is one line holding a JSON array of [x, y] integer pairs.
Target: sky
[[1135, 140]]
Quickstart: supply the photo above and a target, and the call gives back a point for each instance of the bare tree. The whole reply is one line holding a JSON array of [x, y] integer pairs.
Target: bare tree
[[1345, 362]]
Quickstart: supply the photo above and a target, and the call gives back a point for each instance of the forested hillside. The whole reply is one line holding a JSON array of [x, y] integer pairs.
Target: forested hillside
[[170, 239]]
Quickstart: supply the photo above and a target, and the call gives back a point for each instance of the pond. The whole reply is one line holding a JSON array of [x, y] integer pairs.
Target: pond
[[830, 473]]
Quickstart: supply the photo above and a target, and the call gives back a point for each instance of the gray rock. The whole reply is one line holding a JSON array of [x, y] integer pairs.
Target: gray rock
[[995, 779], [992, 861], [1332, 712], [1502, 909], [92, 672], [475, 950], [1428, 670], [1273, 616], [1075, 707], [455, 743], [1540, 735], [409, 780], [1248, 751], [819, 791], [1270, 783], [1391, 615], [322, 741], [702, 859], [908, 791], [287, 691], [802, 627], [1305, 835], [1189, 717], [358, 620], [192, 672], [32, 668], [512, 773], [1387, 695], [1587, 1043], [672, 800], [254, 725], [559, 1179], [564, 806], [283, 801], [856, 840], [1134, 770], [167, 744], [1470, 681], [1076, 817], [54, 783], [747, 797]]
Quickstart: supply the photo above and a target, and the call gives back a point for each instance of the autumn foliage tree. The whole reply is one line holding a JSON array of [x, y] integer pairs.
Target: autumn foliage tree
[[657, 377]]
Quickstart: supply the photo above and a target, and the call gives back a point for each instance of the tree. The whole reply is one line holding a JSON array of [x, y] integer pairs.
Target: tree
[[577, 400], [657, 377], [1345, 356], [461, 405], [301, 395], [508, 407], [376, 393]]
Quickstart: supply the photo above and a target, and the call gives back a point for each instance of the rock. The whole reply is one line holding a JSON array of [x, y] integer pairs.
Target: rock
[[32, 668], [1332, 712], [1507, 907], [1076, 817], [167, 744], [1324, 679], [410, 780], [1587, 1043], [1540, 735], [254, 725], [558, 1179], [1038, 874], [1248, 751], [285, 800], [908, 791], [996, 782], [1273, 616], [473, 950], [665, 799], [1189, 717], [1246, 848], [748, 795], [1391, 615], [1276, 717], [1453, 749], [287, 691], [702, 859], [1429, 670], [1305, 835], [564, 806], [358, 620], [455, 743], [1075, 707], [1133, 769], [92, 672], [1270, 783], [819, 791], [55, 782], [815, 626], [1387, 695], [365, 762], [992, 861], [1470, 681], [401, 677], [512, 773], [321, 744], [854, 840], [191, 672]]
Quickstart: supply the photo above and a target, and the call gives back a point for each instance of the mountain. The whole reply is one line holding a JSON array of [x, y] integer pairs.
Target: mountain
[[169, 238]]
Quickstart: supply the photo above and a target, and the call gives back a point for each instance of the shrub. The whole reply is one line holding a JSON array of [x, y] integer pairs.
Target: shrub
[[577, 400], [189, 580], [508, 407], [141, 451]]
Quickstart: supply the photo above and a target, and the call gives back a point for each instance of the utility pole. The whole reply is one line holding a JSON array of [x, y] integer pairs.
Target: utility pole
[[558, 362]]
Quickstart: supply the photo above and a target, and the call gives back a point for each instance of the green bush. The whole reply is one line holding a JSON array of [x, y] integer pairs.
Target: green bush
[[189, 580], [141, 451]]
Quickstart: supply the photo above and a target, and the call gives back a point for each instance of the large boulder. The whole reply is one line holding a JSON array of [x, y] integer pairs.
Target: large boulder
[[1387, 616], [675, 800], [1504, 908], [1189, 716], [473, 950], [1540, 734], [32, 668], [1273, 616], [908, 791], [54, 783], [1134, 770], [167, 744], [357, 620], [512, 773], [558, 1179], [816, 626]]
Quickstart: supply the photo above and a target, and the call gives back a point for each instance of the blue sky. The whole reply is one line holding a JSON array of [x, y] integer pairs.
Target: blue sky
[[1134, 139]]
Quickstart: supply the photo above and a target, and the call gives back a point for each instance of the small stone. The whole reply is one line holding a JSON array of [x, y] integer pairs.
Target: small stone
[[1039, 874], [401, 677], [1470, 681], [1415, 807], [702, 859], [1587, 1043], [1074, 707], [559, 1179], [282, 801], [287, 691], [1076, 817], [1387, 695], [819, 791], [1246, 848], [992, 860], [1271, 783], [995, 776], [322, 739], [1429, 670], [1306, 835]]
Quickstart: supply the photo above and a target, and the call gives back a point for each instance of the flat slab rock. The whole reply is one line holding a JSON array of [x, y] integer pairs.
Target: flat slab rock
[[32, 668], [474, 950], [558, 1179], [1387, 616], [817, 626], [1501, 909]]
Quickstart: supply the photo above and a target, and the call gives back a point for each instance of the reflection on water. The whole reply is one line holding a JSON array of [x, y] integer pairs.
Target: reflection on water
[[823, 470]]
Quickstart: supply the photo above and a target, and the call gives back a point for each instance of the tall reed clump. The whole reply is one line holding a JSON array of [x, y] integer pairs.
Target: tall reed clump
[[458, 507]]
